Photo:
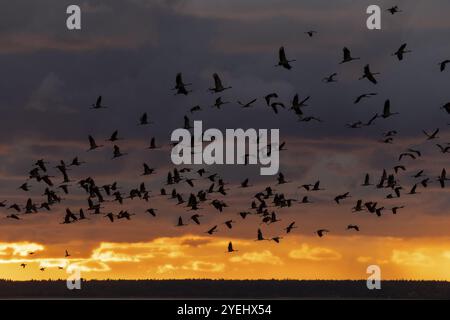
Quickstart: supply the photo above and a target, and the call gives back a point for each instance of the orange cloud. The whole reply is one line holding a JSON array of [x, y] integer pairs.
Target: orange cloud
[[411, 258], [257, 257], [315, 254], [21, 249]]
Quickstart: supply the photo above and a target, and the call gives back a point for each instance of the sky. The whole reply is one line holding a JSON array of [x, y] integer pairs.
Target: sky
[[129, 51]]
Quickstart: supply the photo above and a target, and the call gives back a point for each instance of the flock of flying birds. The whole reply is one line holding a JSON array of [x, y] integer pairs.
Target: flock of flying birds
[[265, 203]]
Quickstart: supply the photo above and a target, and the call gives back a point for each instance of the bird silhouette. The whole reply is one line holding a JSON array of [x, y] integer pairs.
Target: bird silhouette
[[442, 178], [431, 136], [152, 211], [147, 170], [114, 136], [358, 207], [297, 104], [413, 190], [92, 144], [212, 230], [443, 149], [353, 226], [180, 222], [143, 120], [366, 181], [24, 187], [260, 236], [401, 51], [76, 162], [276, 239], [41, 164], [70, 217], [219, 103], [282, 60], [347, 56], [180, 86], [153, 144], [218, 87], [395, 209], [369, 75], [98, 104], [330, 78], [280, 178], [230, 247], [364, 95], [117, 153], [247, 104], [322, 232], [417, 152], [387, 110], [244, 184], [341, 197], [229, 224], [195, 218], [418, 174], [393, 10]]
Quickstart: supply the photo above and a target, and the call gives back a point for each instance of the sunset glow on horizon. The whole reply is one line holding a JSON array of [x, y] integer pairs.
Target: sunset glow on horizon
[[199, 257]]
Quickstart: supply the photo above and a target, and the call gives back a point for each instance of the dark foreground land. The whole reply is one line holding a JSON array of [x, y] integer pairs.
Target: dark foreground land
[[223, 289]]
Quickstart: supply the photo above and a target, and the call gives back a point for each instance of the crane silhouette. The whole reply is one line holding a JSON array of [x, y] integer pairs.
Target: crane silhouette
[[180, 86], [310, 33], [401, 52], [98, 104], [230, 247], [282, 60], [218, 87], [347, 56], [369, 75], [393, 10]]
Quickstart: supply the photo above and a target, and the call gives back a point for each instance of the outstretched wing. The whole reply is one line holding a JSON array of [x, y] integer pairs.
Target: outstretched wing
[[346, 53], [178, 81], [295, 100], [387, 107], [92, 142], [282, 54], [369, 74], [217, 81]]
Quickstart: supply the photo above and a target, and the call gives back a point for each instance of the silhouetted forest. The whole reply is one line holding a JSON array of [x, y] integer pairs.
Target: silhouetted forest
[[237, 289]]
